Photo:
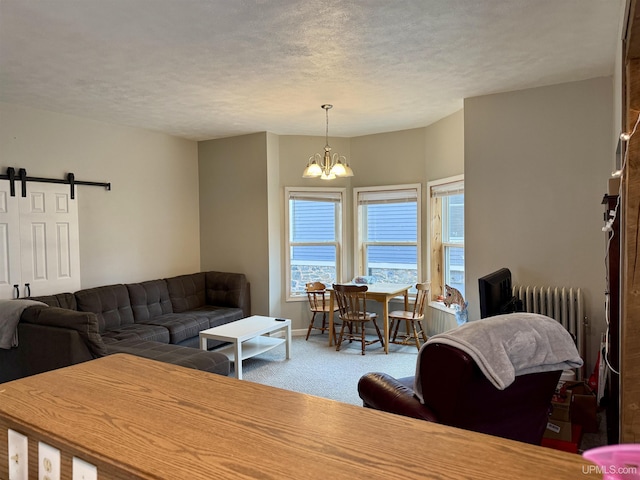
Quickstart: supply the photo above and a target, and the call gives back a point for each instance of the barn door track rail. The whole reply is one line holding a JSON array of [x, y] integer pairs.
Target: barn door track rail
[[23, 179]]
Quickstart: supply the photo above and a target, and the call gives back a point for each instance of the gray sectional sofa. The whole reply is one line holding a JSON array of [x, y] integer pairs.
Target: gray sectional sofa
[[158, 319]]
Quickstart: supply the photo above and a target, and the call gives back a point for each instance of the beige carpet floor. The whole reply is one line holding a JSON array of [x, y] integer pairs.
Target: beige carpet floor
[[317, 369]]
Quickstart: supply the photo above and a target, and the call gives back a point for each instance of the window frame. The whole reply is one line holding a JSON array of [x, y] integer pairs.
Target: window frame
[[450, 243], [435, 236], [359, 257], [340, 224]]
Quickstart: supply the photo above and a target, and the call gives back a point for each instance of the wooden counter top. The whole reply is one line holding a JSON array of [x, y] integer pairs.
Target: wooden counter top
[[137, 418]]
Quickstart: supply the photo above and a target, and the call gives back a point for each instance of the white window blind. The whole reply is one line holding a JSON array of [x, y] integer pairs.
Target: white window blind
[[316, 196], [370, 197], [447, 189]]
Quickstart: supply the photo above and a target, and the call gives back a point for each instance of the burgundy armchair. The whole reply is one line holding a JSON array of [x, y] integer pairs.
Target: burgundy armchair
[[458, 394]]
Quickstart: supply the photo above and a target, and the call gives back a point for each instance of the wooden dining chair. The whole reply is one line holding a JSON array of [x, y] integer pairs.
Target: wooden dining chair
[[352, 311], [319, 303], [412, 318]]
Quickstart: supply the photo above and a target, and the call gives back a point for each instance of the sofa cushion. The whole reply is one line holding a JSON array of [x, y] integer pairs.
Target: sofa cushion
[[85, 323], [154, 333], [60, 300], [187, 292], [110, 303], [149, 299], [217, 315], [225, 289], [181, 326], [212, 362]]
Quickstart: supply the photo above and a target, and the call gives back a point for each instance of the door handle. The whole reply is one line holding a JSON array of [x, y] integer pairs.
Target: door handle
[[27, 289], [16, 288]]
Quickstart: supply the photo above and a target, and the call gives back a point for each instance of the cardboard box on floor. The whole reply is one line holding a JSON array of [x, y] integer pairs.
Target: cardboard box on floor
[[584, 406], [573, 412], [561, 407], [558, 430]]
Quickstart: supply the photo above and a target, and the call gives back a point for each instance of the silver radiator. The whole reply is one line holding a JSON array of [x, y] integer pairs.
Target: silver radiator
[[563, 304]]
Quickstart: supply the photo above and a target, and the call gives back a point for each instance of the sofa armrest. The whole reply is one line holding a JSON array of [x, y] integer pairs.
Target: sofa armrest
[[42, 348], [84, 323], [383, 392]]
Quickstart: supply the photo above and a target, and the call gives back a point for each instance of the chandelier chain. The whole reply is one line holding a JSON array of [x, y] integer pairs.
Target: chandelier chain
[[326, 134]]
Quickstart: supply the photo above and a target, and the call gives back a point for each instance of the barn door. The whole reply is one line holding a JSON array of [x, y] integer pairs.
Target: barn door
[[10, 274], [46, 257]]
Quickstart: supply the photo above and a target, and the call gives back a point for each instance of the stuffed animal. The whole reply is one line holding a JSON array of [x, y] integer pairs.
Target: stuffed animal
[[455, 300], [453, 296]]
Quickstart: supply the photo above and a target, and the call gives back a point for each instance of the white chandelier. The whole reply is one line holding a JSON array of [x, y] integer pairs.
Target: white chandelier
[[327, 166]]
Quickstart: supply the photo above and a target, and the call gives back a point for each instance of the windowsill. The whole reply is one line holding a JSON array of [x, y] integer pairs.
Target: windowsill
[[300, 298], [441, 306]]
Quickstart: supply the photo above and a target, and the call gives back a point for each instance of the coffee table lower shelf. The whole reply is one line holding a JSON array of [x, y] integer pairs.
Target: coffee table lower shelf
[[251, 348]]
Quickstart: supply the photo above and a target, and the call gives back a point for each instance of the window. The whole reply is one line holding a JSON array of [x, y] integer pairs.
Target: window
[[314, 237], [447, 234], [388, 233]]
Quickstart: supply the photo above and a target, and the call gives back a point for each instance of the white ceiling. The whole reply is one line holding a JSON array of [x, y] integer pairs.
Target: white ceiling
[[203, 69]]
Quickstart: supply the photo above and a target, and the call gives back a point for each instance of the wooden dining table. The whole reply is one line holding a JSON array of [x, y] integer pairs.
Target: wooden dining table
[[379, 292]]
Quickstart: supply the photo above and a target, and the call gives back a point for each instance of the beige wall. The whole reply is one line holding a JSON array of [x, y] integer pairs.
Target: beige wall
[[536, 169], [392, 158], [275, 221], [444, 147], [234, 210], [147, 226]]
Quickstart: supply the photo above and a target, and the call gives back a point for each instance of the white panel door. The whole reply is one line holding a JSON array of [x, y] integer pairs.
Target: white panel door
[[49, 241], [44, 250], [10, 273]]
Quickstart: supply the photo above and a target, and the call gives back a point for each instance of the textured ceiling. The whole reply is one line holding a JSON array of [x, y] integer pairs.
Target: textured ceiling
[[204, 69]]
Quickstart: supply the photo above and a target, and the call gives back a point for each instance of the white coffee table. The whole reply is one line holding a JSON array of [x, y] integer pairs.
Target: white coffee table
[[248, 338]]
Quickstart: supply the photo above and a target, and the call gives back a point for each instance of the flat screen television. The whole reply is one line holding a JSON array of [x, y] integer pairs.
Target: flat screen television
[[496, 296]]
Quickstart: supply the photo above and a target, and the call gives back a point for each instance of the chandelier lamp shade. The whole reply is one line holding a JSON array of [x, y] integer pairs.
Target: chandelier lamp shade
[[327, 166]]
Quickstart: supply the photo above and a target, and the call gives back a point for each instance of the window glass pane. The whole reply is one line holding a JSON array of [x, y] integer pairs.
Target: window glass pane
[[392, 263], [392, 254], [312, 221], [314, 253], [316, 263], [453, 213], [454, 267], [391, 222]]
